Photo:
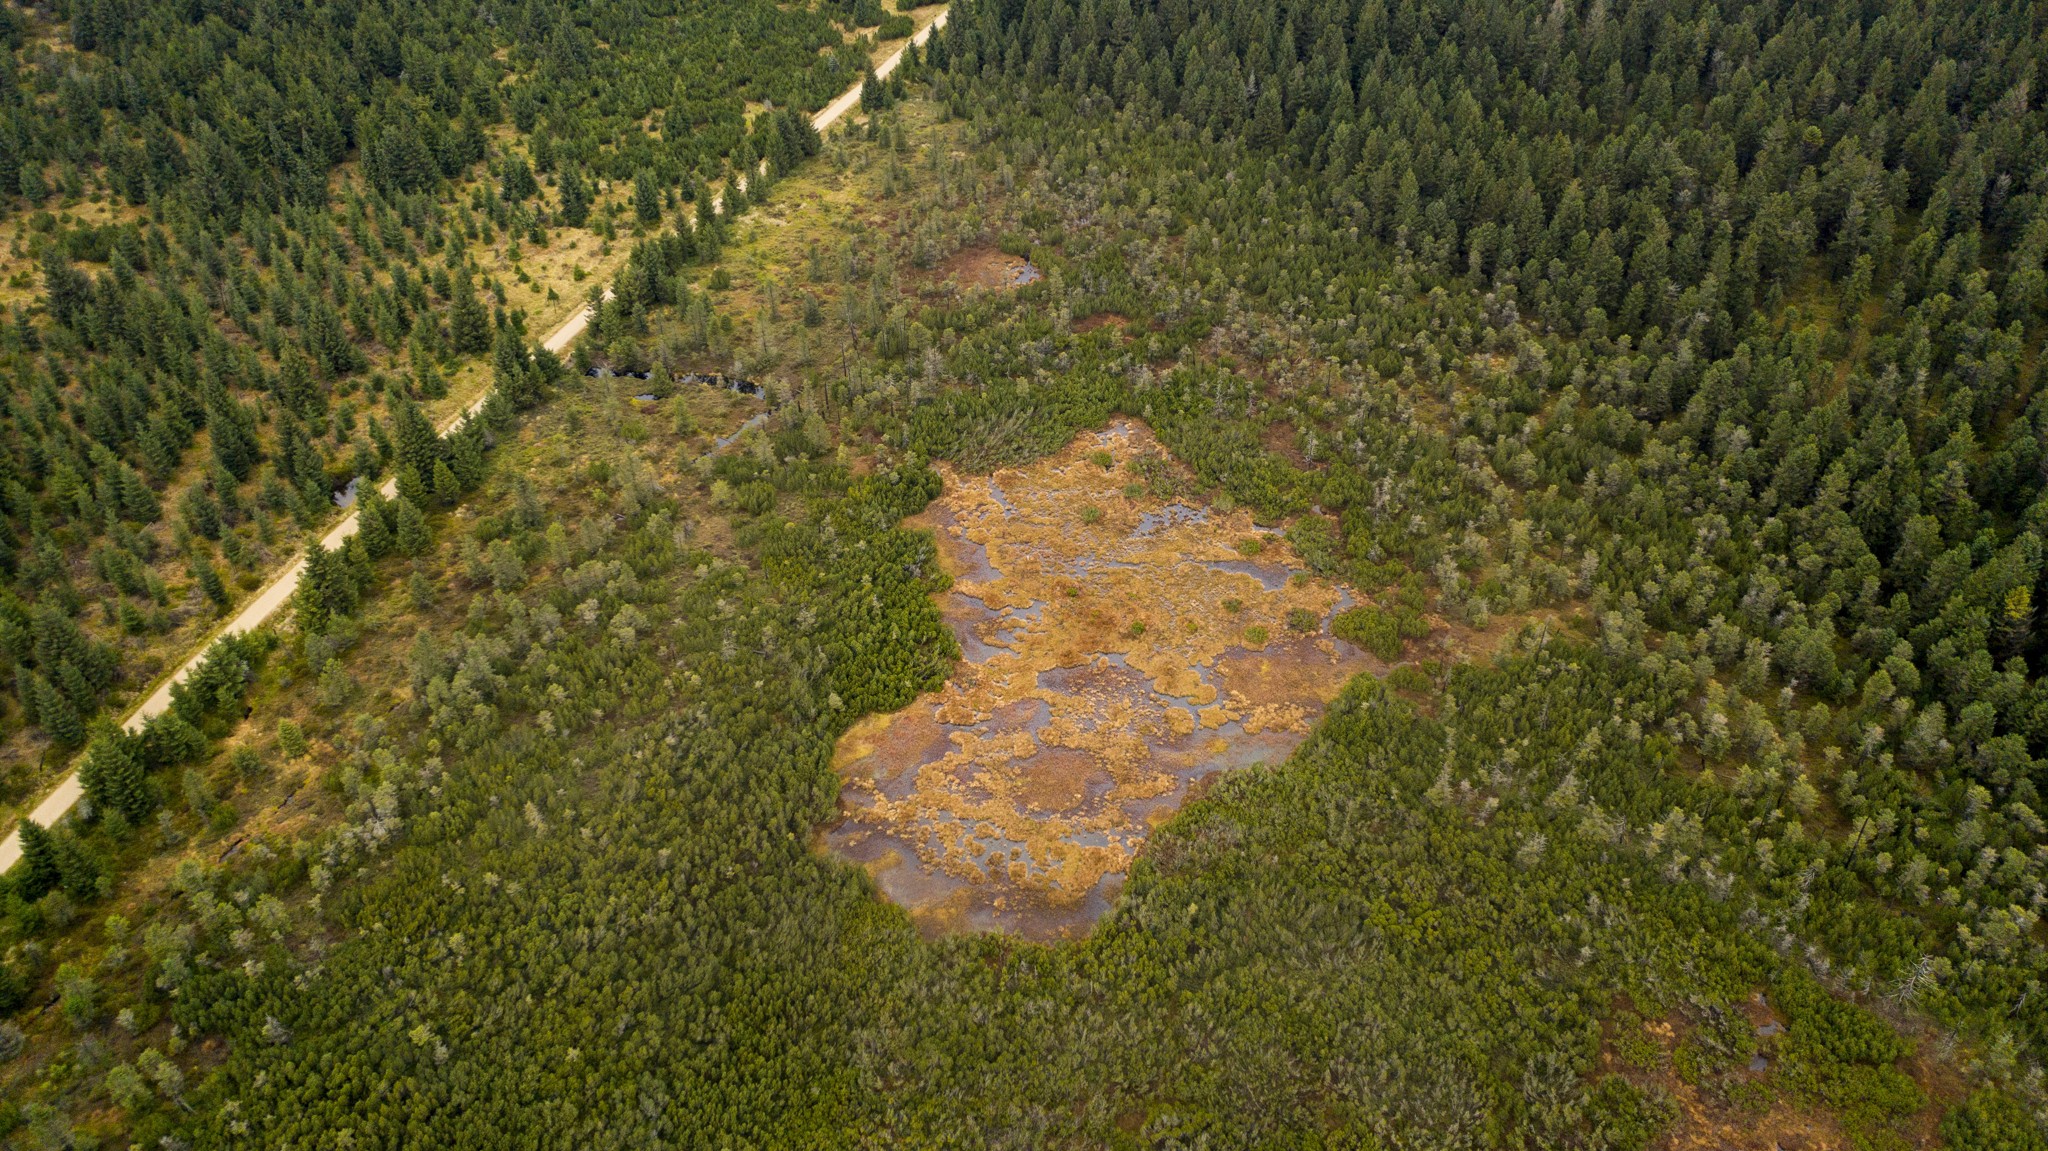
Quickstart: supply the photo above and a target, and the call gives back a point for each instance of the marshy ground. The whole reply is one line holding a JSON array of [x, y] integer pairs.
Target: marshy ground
[[1120, 649]]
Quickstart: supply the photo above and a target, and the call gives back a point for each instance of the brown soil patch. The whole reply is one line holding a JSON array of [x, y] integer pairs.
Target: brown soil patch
[[1708, 1121], [1106, 673], [1281, 438], [1088, 324], [984, 267]]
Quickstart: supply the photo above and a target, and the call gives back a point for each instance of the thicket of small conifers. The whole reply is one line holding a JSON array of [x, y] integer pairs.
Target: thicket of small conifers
[[1715, 323]]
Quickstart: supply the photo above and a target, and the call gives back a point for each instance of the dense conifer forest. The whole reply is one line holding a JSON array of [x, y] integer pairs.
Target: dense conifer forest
[[1661, 374], [263, 238]]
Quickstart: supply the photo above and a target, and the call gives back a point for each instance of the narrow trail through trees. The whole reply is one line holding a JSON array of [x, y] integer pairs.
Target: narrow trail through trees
[[278, 592]]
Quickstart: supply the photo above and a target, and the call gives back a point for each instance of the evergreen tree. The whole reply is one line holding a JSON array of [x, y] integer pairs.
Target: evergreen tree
[[136, 501], [374, 524], [25, 691], [412, 488], [295, 387], [169, 739], [77, 871], [209, 582], [327, 589], [328, 342], [291, 739], [112, 774], [469, 322], [397, 158], [233, 432], [793, 138], [358, 566], [39, 871], [56, 714], [1267, 126], [13, 991], [67, 291], [415, 444], [72, 683], [518, 183], [466, 459], [447, 489], [411, 534], [646, 199], [512, 372], [57, 641], [874, 96], [200, 511], [426, 377], [575, 197]]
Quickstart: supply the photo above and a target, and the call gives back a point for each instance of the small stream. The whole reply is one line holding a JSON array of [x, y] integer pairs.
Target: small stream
[[737, 384], [740, 384], [754, 421]]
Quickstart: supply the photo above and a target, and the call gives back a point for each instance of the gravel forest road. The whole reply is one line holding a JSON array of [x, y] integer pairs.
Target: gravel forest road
[[278, 592]]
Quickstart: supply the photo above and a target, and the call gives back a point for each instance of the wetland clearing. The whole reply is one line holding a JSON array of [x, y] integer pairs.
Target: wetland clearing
[[1119, 650]]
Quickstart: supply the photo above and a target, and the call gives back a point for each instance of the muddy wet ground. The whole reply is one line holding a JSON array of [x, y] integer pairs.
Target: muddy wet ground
[[983, 268], [1119, 649]]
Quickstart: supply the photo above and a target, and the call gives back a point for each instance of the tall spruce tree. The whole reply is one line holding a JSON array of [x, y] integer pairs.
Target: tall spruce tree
[[39, 871], [574, 209], [112, 773]]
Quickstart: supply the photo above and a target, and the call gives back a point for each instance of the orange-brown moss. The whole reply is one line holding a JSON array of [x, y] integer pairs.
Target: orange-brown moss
[[1104, 675]]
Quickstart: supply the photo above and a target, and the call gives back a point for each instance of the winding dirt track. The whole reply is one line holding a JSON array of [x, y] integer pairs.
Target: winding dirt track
[[278, 592]]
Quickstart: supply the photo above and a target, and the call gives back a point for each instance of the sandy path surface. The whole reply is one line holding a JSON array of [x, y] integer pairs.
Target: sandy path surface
[[850, 99], [278, 591], [273, 596]]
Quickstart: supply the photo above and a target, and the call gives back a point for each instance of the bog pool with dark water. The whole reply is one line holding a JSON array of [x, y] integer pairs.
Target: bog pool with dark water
[[1105, 679], [708, 379]]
